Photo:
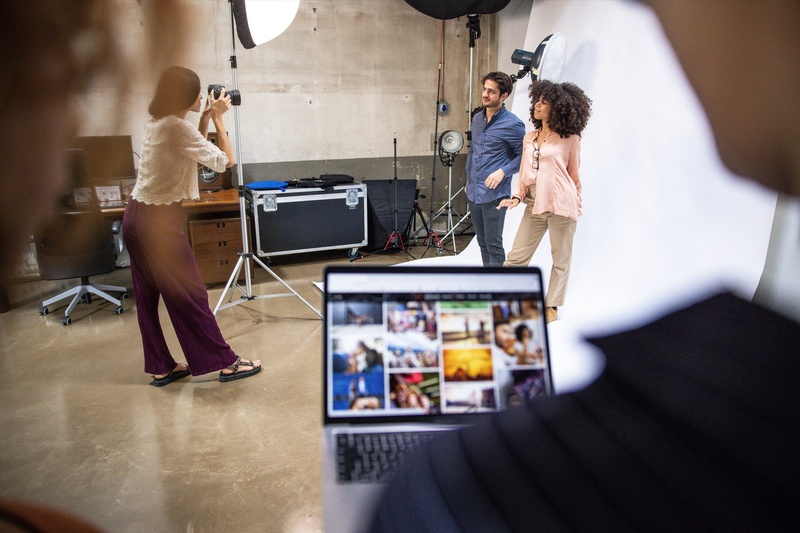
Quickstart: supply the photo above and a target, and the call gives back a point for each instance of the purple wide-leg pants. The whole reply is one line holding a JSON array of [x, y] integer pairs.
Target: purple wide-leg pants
[[163, 266]]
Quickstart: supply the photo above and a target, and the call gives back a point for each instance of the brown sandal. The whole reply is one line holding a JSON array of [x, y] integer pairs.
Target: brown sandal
[[236, 374], [172, 376]]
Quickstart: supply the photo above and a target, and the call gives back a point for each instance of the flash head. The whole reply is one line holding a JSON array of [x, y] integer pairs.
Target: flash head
[[216, 88], [522, 57], [546, 63]]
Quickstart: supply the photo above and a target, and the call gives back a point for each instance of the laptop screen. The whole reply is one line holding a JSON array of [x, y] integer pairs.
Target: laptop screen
[[425, 342]]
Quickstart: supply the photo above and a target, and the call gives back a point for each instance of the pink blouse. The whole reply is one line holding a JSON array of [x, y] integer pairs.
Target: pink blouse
[[556, 186]]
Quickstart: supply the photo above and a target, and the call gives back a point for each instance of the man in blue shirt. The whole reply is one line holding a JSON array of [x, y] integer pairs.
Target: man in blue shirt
[[493, 158]]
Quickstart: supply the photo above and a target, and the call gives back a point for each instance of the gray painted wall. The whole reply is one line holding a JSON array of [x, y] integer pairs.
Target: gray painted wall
[[330, 93]]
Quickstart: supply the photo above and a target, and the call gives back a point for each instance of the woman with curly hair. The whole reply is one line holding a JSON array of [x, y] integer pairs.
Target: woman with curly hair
[[549, 182]]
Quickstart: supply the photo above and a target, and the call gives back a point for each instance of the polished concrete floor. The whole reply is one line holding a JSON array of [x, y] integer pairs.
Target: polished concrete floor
[[82, 431]]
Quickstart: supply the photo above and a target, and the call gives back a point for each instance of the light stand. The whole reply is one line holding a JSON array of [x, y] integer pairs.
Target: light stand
[[450, 143], [246, 255], [395, 239], [431, 236], [474, 27]]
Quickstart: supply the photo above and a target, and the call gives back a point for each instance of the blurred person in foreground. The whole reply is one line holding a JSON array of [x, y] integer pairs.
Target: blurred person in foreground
[[695, 422], [50, 52]]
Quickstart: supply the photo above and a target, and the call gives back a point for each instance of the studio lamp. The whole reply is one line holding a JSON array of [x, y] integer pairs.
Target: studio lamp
[[255, 22], [450, 143], [545, 63], [259, 21]]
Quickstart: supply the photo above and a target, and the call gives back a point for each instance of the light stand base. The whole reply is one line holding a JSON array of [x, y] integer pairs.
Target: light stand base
[[452, 231], [247, 296], [431, 239], [448, 206]]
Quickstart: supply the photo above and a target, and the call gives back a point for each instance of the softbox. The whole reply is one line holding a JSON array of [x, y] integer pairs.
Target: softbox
[[259, 21], [450, 9], [380, 199]]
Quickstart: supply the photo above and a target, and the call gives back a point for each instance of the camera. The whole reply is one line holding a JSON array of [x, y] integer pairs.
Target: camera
[[236, 98]]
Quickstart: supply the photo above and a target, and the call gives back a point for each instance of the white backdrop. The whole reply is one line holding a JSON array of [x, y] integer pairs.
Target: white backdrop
[[664, 222]]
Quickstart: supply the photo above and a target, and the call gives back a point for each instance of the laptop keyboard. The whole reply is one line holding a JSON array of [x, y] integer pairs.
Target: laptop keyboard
[[372, 457]]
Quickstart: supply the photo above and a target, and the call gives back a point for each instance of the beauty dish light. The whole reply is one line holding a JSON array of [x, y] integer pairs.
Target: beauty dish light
[[259, 21]]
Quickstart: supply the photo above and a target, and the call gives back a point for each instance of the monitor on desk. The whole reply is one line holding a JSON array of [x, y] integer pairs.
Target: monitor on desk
[[110, 159]]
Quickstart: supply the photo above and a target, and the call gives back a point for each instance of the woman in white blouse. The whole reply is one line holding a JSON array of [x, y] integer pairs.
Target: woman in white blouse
[[549, 182], [162, 261]]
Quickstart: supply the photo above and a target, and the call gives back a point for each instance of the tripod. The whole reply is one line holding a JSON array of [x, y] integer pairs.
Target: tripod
[[417, 212], [245, 256], [395, 239]]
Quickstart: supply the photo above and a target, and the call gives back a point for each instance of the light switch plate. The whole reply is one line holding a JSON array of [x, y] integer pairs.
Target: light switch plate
[[82, 195], [109, 193]]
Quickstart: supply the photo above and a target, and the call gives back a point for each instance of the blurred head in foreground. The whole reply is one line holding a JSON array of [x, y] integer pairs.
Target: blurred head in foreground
[[50, 52]]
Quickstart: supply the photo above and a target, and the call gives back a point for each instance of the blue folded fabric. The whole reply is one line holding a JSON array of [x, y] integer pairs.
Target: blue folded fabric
[[267, 185]]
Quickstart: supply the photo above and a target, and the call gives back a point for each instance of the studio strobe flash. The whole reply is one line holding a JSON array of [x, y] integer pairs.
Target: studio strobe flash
[[270, 19]]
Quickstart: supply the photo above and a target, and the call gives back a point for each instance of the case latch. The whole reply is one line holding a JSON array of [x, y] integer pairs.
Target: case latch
[[270, 203], [351, 198]]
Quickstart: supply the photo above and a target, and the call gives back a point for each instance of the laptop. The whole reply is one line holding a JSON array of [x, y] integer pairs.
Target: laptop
[[414, 350]]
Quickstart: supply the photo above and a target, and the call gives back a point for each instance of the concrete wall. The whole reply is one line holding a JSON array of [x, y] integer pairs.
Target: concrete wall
[[329, 94]]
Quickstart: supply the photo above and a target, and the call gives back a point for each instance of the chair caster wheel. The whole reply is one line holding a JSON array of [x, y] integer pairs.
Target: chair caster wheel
[[123, 296], [440, 251], [118, 310], [66, 321], [43, 311], [352, 253]]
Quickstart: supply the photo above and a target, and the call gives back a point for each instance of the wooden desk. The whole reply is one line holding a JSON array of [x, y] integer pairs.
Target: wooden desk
[[209, 202], [225, 200], [213, 225]]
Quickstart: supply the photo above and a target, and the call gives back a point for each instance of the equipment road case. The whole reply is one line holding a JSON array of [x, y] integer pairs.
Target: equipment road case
[[309, 219]]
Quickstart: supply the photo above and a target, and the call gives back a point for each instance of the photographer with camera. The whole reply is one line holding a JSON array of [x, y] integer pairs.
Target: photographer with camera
[[162, 261]]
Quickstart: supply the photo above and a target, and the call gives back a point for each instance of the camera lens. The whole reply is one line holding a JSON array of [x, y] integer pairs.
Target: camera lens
[[236, 97]]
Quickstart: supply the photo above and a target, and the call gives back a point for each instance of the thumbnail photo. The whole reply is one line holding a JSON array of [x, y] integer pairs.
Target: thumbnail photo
[[417, 390], [354, 354], [469, 397], [518, 334], [357, 392], [467, 323], [356, 316], [467, 364], [412, 316]]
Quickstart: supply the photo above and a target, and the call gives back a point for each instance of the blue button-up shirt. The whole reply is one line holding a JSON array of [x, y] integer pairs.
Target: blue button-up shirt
[[496, 144]]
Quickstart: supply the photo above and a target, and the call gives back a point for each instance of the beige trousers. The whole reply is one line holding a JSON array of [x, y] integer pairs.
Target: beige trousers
[[530, 233]]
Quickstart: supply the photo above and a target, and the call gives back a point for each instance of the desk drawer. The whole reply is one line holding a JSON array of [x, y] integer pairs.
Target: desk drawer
[[216, 244], [214, 231]]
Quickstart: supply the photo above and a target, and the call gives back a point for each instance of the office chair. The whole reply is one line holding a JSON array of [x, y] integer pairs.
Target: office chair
[[77, 243]]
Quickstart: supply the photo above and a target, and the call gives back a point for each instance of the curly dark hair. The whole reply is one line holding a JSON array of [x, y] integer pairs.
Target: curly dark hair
[[570, 108]]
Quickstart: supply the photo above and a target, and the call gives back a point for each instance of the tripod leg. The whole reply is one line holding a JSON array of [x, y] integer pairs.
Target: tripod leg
[[412, 223], [231, 283], [422, 218], [271, 273]]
